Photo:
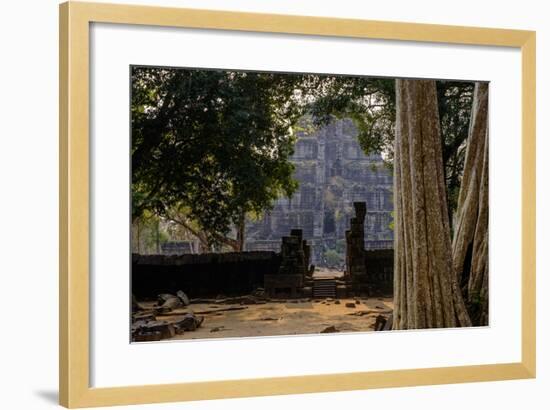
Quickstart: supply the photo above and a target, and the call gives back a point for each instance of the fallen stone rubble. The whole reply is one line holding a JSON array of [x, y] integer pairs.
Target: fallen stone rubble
[[383, 323], [147, 328], [172, 315], [167, 302]]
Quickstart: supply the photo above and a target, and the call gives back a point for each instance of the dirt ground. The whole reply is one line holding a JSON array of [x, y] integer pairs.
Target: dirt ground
[[291, 317]]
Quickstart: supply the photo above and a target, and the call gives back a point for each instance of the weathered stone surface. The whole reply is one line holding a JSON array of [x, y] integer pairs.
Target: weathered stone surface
[[307, 291], [205, 281], [259, 293], [290, 279], [380, 322], [383, 323], [183, 297], [143, 316], [350, 305], [201, 275], [138, 324], [169, 305], [389, 323], [355, 244], [147, 337], [341, 291], [293, 257], [379, 265], [333, 172], [283, 285], [163, 297], [189, 322], [166, 329]]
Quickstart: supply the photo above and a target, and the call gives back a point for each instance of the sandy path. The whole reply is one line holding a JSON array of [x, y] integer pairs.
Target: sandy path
[[287, 318]]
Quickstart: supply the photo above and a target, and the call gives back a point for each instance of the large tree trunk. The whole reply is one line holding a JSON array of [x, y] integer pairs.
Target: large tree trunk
[[426, 292], [204, 244], [470, 242]]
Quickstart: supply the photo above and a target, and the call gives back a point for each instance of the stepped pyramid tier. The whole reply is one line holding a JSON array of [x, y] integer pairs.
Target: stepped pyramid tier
[[333, 173]]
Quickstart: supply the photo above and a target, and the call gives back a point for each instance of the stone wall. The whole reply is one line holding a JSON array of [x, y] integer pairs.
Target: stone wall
[[355, 244], [210, 275], [379, 264], [202, 275]]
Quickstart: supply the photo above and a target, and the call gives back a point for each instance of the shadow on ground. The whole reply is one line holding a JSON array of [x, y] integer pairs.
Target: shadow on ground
[[51, 396]]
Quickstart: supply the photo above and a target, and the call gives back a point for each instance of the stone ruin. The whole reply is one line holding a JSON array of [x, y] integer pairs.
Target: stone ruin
[[150, 324], [355, 242], [294, 271], [294, 277], [204, 275], [356, 269], [378, 279], [278, 275], [333, 172], [288, 274]]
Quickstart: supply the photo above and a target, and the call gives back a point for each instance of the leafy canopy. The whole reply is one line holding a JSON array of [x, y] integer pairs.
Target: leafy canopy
[[212, 144], [370, 102]]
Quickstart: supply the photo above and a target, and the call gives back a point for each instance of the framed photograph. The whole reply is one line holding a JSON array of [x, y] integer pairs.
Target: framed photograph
[[256, 204]]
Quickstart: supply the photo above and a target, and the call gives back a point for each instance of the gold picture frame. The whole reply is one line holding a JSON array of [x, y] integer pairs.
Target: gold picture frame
[[75, 19]]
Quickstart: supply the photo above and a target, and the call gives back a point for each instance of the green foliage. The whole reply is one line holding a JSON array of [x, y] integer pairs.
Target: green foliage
[[213, 143], [455, 100], [333, 258], [147, 234], [211, 146], [341, 246], [305, 126], [370, 103]]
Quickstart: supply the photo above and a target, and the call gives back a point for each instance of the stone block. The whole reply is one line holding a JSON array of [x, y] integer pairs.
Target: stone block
[[147, 337]]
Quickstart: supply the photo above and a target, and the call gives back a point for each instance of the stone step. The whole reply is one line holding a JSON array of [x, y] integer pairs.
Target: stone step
[[323, 288]]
